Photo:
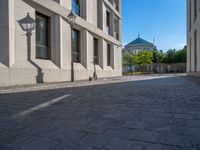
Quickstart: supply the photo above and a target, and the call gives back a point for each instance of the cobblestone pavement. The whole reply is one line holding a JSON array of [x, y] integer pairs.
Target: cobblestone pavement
[[147, 113]]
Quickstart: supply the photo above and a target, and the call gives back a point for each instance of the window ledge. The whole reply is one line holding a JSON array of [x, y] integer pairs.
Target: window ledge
[[98, 68], [109, 68]]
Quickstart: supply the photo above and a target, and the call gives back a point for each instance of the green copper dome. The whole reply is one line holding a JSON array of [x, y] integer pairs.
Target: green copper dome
[[139, 41]]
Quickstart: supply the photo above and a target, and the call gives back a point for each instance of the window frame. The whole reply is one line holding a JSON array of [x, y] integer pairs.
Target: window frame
[[108, 54], [96, 51], [78, 42], [190, 15], [195, 10], [108, 17], [195, 50], [48, 35]]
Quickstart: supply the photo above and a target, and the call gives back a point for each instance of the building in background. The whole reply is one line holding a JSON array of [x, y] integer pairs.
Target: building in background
[[193, 37], [96, 39], [138, 45]]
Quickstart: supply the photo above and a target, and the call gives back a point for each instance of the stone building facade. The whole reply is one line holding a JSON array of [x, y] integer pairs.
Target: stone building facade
[[47, 56], [193, 37]]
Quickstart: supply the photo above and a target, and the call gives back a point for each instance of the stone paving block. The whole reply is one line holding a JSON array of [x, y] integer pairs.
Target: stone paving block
[[115, 123], [92, 140], [181, 148], [193, 123], [94, 128], [134, 124], [163, 114], [4, 135], [17, 142], [196, 142], [133, 117], [76, 124], [177, 109], [11, 125], [5, 148], [69, 146], [151, 118], [118, 144], [117, 133], [97, 120], [177, 121], [184, 130], [150, 146], [143, 135], [39, 144], [183, 116], [112, 115], [174, 140], [42, 128], [64, 134], [157, 126]]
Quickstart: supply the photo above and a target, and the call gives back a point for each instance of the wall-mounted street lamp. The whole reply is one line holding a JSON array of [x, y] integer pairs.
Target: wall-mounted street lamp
[[28, 25], [71, 20]]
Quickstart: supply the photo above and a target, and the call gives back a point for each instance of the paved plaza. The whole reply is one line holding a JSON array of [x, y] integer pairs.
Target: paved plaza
[[128, 113]]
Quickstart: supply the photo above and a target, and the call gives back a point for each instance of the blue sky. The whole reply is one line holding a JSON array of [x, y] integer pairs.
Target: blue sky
[[164, 20]]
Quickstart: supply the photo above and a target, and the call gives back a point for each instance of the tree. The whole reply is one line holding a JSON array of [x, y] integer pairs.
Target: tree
[[169, 56], [157, 56], [174, 56], [144, 58], [181, 56], [128, 61]]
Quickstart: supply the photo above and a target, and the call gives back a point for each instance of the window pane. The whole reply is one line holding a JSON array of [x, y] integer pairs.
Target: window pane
[[108, 22], [75, 46], [41, 26], [190, 15], [195, 51], [76, 7], [108, 55], [42, 49], [95, 51], [42, 52], [107, 18], [195, 10]]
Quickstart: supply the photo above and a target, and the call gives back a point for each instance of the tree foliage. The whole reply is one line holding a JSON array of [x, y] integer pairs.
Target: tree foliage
[[181, 56], [128, 59], [174, 56], [158, 56], [144, 58], [169, 56]]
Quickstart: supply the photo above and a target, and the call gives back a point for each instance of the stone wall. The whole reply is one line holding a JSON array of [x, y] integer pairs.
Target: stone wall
[[158, 68]]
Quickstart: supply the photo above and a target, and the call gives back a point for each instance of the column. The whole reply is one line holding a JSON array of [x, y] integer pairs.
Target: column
[[7, 32], [113, 56], [120, 6], [56, 40], [100, 14], [85, 49], [103, 53], [120, 30]]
